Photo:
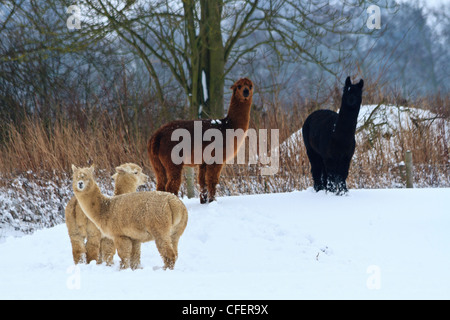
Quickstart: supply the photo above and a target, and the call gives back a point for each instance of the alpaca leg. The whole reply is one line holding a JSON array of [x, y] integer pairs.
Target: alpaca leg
[[337, 174], [212, 179], [174, 174], [107, 251], [165, 248], [77, 230], [334, 177], [92, 249], [174, 241], [176, 234], [341, 188], [324, 177], [124, 247], [202, 183], [341, 177], [160, 173], [331, 176], [331, 183], [135, 254], [161, 179], [93, 242], [336, 184], [317, 170], [78, 248]]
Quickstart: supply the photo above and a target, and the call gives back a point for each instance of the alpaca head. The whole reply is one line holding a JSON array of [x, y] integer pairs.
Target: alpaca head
[[352, 95], [130, 174], [243, 89], [83, 179]]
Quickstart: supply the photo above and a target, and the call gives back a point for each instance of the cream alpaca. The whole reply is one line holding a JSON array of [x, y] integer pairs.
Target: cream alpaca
[[128, 178], [133, 218]]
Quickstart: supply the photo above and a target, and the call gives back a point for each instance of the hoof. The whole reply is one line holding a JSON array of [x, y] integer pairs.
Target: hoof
[[203, 198], [318, 188], [342, 192]]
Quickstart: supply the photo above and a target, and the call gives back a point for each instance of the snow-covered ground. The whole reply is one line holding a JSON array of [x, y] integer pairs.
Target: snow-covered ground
[[371, 244]]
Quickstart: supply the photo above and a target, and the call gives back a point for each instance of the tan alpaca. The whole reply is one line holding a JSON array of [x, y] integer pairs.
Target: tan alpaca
[[133, 218], [128, 178]]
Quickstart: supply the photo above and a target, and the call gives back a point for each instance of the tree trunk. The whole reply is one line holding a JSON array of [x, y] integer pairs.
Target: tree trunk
[[212, 60], [409, 169], [216, 59], [208, 57]]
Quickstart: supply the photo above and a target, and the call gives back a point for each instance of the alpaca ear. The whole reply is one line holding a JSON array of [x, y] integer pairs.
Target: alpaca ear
[[74, 168], [114, 176], [348, 82], [233, 86], [92, 169], [361, 84], [121, 170]]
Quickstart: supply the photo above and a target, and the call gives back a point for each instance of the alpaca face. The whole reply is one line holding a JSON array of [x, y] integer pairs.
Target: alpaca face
[[82, 178], [243, 89], [131, 172], [352, 95]]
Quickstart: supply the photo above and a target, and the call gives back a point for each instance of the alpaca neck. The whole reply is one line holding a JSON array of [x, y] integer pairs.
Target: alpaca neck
[[124, 188], [91, 202], [347, 120], [239, 113]]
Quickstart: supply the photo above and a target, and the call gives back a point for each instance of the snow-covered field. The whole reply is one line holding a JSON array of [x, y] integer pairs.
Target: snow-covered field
[[371, 244]]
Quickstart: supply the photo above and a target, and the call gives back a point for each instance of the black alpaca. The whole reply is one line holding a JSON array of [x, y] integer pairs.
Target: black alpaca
[[330, 140]]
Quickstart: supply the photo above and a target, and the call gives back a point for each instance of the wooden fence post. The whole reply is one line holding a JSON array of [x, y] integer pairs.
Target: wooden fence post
[[189, 172], [409, 170]]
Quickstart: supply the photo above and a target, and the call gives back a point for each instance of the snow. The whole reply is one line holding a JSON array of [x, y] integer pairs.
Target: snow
[[34, 201], [204, 86], [389, 118], [385, 120], [371, 244]]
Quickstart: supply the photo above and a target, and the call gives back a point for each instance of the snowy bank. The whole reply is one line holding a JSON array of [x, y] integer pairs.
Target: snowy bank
[[371, 244]]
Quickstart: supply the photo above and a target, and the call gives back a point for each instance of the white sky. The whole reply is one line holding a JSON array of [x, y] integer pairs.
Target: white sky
[[430, 3]]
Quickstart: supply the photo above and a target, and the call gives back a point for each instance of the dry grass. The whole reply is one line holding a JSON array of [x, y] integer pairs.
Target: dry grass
[[33, 147]]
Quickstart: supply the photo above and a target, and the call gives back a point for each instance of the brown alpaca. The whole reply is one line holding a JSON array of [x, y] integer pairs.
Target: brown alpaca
[[160, 145], [132, 218], [128, 178]]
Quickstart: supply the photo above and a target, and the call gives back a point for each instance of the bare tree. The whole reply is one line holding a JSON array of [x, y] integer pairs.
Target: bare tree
[[201, 41]]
